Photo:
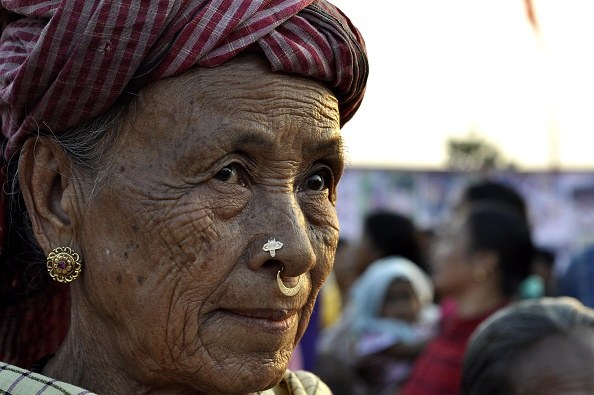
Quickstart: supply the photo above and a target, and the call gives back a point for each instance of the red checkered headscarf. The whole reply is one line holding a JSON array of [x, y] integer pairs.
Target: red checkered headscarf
[[64, 62]]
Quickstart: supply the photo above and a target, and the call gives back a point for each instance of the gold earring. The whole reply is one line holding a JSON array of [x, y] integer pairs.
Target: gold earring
[[63, 265]]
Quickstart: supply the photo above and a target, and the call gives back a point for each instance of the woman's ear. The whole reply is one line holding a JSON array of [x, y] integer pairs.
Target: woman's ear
[[45, 176]]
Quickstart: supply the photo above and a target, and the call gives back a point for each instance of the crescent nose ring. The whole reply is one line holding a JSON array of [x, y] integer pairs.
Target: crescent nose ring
[[271, 246], [288, 291]]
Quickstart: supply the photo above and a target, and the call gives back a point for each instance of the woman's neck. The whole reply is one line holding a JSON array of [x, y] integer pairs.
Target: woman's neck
[[477, 301], [85, 360]]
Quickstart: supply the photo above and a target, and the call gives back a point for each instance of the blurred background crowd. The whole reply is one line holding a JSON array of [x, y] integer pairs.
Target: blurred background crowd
[[426, 258], [467, 211]]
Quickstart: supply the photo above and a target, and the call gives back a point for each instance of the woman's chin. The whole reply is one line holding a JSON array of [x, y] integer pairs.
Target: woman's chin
[[251, 377]]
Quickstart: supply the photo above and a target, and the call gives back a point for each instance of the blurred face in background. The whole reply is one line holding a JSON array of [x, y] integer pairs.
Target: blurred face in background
[[401, 302], [451, 261]]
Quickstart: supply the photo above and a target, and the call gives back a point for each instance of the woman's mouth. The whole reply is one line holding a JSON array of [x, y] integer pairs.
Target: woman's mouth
[[268, 320]]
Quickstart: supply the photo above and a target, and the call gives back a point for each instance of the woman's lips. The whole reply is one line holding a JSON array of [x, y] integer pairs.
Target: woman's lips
[[268, 320]]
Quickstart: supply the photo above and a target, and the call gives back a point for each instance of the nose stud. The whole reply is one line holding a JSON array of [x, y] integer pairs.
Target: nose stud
[[272, 245]]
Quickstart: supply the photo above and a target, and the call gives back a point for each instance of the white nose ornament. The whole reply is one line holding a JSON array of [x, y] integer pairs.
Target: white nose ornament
[[272, 245]]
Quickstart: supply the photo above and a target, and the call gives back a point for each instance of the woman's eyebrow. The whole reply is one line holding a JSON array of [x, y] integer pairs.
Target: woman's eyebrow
[[245, 139], [332, 146]]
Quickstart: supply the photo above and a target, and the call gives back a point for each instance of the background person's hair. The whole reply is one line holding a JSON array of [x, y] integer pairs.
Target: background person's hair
[[393, 234], [504, 337], [501, 230], [488, 190]]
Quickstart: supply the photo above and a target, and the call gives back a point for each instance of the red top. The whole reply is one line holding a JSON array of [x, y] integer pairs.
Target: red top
[[438, 370]]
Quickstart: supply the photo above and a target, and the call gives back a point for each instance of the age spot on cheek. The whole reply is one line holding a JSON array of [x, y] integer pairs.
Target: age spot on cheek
[[140, 280]]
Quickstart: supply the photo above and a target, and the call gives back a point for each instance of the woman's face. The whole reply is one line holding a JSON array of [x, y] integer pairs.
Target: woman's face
[[451, 265], [401, 302], [211, 165]]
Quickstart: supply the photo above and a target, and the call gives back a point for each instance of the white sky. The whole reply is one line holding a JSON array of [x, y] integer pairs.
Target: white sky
[[441, 69]]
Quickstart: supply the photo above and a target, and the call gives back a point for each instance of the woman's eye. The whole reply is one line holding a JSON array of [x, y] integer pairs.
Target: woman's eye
[[319, 181], [230, 174]]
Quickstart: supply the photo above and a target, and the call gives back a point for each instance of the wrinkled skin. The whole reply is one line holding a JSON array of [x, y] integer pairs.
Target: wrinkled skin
[[177, 294]]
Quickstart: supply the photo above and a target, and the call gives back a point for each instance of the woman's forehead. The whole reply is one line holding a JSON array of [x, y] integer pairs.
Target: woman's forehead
[[238, 107], [244, 73]]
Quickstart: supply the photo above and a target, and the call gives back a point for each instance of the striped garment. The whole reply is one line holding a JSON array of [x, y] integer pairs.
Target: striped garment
[[17, 381], [64, 62]]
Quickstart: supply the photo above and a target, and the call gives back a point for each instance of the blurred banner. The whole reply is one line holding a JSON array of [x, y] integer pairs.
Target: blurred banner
[[560, 204]]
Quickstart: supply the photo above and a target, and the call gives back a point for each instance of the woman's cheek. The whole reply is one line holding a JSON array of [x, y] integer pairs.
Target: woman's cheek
[[227, 200]]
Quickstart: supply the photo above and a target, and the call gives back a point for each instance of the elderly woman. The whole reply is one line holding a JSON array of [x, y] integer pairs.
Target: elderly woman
[[537, 347], [178, 163]]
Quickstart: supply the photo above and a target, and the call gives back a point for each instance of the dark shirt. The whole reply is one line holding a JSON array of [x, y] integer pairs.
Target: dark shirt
[[578, 280]]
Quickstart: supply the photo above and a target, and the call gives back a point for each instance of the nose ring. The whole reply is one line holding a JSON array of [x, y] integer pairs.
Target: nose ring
[[288, 291], [272, 245]]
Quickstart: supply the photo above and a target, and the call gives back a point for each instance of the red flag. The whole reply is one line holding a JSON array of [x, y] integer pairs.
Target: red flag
[[531, 14]]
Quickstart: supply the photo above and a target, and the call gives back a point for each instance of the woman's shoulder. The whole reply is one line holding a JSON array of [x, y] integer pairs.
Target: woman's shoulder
[[299, 383], [18, 381]]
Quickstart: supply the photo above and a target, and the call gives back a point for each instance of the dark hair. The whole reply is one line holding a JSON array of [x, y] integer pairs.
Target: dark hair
[[393, 234], [501, 230], [498, 343], [545, 255], [489, 190]]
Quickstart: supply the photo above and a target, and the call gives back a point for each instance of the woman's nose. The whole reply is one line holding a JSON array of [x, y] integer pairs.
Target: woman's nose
[[283, 239]]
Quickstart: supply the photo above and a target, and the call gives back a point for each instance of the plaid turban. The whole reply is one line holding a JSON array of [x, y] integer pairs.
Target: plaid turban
[[65, 62]]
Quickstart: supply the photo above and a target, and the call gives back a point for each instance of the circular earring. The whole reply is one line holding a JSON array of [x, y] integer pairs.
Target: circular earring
[[63, 265]]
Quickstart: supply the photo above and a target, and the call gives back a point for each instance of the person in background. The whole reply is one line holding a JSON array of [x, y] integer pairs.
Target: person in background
[[389, 319], [387, 233], [543, 265], [481, 256], [488, 190], [578, 279], [535, 347]]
